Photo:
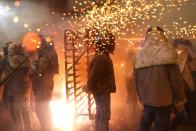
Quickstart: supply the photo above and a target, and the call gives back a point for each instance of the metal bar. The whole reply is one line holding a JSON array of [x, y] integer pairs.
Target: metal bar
[[79, 88], [79, 57], [83, 114], [69, 88], [80, 99], [70, 94], [68, 75], [92, 103], [81, 106], [80, 102], [78, 76], [91, 98], [79, 94], [74, 79], [82, 109], [68, 82], [66, 60], [70, 99], [77, 60], [77, 82]]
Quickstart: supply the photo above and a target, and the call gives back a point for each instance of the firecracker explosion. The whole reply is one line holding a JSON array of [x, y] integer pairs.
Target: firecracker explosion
[[74, 34]]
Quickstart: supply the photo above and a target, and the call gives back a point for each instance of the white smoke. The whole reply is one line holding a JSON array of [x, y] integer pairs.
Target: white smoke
[[16, 20]]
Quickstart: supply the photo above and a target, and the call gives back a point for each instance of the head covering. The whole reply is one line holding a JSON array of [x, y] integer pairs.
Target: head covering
[[156, 50], [105, 43], [155, 28], [16, 55]]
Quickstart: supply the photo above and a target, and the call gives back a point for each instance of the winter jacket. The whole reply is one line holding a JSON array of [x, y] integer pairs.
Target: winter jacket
[[101, 77], [185, 56], [44, 70], [157, 75], [18, 86], [158, 85]]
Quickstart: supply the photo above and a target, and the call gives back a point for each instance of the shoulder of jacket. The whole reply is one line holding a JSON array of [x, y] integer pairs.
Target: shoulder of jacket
[[1, 56]]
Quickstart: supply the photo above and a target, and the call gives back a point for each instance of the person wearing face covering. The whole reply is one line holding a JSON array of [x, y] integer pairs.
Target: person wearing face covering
[[158, 80]]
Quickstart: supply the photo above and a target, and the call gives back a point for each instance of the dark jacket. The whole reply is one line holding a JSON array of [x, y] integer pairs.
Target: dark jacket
[[44, 70], [101, 77], [160, 85]]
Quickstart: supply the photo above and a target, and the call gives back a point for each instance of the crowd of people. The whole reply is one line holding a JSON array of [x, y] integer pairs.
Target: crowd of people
[[163, 75], [22, 73]]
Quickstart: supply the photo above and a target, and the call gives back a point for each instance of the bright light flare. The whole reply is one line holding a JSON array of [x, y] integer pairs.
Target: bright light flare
[[62, 113], [17, 3], [16, 19], [48, 39], [4, 11], [31, 41]]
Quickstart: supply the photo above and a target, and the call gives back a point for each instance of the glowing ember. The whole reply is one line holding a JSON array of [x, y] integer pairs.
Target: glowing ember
[[16, 19], [17, 3], [48, 39], [31, 41]]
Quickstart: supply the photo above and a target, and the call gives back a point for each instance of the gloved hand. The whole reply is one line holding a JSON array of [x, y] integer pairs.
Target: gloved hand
[[183, 116]]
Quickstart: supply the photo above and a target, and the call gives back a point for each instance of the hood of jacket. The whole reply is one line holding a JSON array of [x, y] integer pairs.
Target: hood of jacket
[[156, 51], [16, 56]]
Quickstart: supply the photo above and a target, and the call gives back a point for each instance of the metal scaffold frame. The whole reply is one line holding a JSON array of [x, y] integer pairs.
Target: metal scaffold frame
[[74, 81]]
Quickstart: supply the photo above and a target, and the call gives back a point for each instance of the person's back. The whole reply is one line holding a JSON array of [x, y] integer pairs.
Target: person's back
[[158, 80], [103, 77]]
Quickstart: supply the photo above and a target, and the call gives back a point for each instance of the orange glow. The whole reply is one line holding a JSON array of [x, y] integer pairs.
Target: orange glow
[[31, 41], [48, 39], [62, 113]]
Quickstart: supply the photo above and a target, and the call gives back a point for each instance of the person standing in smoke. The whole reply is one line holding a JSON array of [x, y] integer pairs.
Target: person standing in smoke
[[158, 80], [101, 80], [16, 95], [44, 69], [187, 65]]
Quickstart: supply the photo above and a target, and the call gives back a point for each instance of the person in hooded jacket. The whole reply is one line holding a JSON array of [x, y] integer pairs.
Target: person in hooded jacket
[[101, 80], [158, 80], [186, 63], [16, 95], [44, 69]]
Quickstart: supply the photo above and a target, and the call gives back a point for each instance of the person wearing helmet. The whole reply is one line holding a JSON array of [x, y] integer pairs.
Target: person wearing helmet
[[101, 79], [158, 80], [44, 69], [16, 95]]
